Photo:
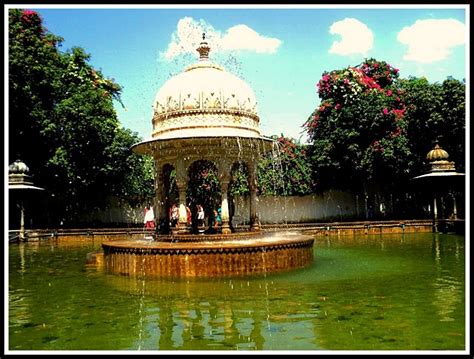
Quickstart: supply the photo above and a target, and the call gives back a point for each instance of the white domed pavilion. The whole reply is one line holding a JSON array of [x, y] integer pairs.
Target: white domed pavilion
[[205, 113]]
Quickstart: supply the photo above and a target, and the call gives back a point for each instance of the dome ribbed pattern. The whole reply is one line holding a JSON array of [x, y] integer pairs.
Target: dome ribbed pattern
[[437, 154], [205, 100], [18, 167]]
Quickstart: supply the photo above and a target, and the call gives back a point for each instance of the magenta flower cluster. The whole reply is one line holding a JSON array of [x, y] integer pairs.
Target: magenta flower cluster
[[340, 88]]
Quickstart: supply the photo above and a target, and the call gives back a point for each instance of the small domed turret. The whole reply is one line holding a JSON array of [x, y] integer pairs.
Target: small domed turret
[[19, 177], [18, 167], [437, 154], [438, 159]]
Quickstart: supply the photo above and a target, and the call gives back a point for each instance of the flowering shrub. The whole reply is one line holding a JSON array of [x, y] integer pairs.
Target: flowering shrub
[[358, 129], [342, 85], [382, 73], [341, 88], [345, 85], [30, 17]]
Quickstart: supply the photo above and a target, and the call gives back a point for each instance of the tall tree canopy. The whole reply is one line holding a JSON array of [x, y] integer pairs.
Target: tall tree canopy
[[62, 123], [435, 112], [374, 129]]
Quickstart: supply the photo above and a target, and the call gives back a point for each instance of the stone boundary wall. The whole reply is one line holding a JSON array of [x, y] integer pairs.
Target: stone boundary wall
[[368, 228], [318, 229], [331, 205]]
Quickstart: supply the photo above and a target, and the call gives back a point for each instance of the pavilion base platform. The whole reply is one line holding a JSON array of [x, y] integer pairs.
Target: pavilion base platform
[[209, 258]]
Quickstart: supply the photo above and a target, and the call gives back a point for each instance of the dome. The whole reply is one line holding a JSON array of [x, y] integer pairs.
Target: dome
[[18, 167], [205, 100], [438, 159], [18, 177], [437, 154]]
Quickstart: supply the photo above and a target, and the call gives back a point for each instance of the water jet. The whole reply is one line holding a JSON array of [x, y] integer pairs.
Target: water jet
[[205, 114]]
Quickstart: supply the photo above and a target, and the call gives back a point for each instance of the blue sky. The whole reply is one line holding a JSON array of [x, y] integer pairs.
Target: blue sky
[[281, 52]]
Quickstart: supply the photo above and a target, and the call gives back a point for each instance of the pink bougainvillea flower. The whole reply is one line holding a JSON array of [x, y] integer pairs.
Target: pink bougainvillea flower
[[385, 111], [28, 12], [398, 113]]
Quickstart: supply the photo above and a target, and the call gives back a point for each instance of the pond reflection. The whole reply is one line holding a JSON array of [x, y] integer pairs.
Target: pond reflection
[[368, 293], [448, 288]]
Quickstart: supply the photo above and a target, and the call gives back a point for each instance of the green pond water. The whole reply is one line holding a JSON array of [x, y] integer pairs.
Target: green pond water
[[389, 292]]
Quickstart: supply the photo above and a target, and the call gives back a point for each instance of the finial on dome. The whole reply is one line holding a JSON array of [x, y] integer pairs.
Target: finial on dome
[[203, 48]]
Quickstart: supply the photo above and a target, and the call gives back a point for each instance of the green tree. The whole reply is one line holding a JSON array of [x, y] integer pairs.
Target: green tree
[[239, 185], [62, 123], [358, 134], [34, 64], [132, 176], [286, 171], [435, 112], [453, 111], [372, 130]]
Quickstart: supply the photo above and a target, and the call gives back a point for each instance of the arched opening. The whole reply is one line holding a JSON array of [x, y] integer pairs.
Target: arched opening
[[203, 190]]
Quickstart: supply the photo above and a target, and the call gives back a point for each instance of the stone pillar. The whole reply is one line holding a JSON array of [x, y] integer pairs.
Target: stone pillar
[[182, 224], [225, 208], [22, 221], [159, 206], [366, 200], [224, 179], [181, 183], [455, 208], [254, 220]]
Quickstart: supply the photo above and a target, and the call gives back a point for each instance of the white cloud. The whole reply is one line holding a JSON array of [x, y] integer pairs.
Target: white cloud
[[431, 40], [187, 36], [357, 38], [242, 37], [189, 32]]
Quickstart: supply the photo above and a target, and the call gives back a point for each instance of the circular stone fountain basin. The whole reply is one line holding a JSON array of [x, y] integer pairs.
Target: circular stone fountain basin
[[225, 257]]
